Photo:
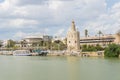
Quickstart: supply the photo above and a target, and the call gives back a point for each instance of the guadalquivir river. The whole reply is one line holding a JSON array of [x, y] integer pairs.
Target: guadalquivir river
[[58, 68]]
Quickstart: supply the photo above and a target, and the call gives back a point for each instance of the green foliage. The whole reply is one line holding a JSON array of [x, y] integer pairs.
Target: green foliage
[[58, 45], [113, 50], [47, 44], [84, 46], [91, 48], [88, 48], [86, 32], [10, 44], [42, 44], [15, 47], [1, 44], [99, 48]]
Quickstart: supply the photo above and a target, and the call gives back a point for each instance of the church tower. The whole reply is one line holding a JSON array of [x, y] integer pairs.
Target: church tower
[[73, 38]]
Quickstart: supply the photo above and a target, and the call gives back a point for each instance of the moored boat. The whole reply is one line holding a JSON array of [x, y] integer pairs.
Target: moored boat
[[43, 53], [22, 53], [40, 52]]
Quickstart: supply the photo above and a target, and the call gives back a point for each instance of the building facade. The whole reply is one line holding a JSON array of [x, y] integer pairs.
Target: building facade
[[74, 41], [33, 41], [103, 40], [73, 38]]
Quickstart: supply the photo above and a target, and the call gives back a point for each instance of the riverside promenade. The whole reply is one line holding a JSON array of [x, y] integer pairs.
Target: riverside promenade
[[59, 53], [82, 54]]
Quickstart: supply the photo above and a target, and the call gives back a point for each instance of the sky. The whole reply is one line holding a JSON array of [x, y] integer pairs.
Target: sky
[[21, 18]]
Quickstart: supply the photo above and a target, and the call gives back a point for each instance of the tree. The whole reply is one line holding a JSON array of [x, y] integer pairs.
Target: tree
[[86, 32], [41, 43], [10, 43], [99, 48], [91, 48], [84, 47], [113, 50], [58, 45], [1, 44], [46, 44], [99, 33]]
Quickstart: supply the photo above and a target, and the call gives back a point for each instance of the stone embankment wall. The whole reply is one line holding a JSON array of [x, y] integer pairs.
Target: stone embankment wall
[[93, 54]]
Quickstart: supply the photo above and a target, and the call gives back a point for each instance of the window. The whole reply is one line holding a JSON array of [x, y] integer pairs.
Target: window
[[69, 41], [75, 41]]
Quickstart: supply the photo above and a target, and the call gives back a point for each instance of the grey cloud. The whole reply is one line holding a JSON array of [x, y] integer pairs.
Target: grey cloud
[[36, 2], [31, 2]]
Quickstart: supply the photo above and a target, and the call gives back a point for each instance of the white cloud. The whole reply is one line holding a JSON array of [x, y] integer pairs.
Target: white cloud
[[51, 15], [18, 23], [19, 35], [108, 22], [55, 4], [22, 23], [60, 32]]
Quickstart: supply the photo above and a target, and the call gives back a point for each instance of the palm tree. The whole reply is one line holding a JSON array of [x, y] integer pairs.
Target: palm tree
[[86, 32], [99, 33], [1, 43]]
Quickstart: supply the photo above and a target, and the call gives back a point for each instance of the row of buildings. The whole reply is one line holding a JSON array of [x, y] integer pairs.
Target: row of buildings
[[31, 41], [103, 40], [74, 40]]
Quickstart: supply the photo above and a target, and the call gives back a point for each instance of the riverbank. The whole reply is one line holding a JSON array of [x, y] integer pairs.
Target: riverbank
[[63, 53], [82, 54]]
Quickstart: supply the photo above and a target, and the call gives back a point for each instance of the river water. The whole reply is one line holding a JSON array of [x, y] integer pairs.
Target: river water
[[58, 68]]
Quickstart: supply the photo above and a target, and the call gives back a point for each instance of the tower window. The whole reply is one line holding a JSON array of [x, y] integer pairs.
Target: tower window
[[75, 41], [69, 41]]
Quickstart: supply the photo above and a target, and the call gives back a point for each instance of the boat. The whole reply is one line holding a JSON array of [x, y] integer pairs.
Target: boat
[[43, 53], [40, 52], [22, 53]]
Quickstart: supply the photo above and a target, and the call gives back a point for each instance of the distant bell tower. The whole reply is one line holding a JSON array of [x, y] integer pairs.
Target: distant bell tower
[[73, 38]]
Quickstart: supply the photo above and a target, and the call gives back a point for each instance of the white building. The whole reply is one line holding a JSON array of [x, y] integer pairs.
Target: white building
[[4, 43], [29, 41]]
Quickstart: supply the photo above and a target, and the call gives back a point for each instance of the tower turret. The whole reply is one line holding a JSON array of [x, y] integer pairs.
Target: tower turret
[[73, 26]]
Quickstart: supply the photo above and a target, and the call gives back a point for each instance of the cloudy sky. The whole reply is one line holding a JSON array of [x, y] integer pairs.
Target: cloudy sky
[[20, 18]]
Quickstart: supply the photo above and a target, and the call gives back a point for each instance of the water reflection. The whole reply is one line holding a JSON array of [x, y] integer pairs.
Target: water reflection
[[73, 68]]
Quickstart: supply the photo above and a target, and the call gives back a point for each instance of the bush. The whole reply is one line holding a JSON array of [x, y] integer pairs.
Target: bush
[[58, 45], [113, 50], [91, 48]]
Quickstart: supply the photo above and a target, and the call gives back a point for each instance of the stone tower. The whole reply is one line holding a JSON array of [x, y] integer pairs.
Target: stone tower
[[73, 38]]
